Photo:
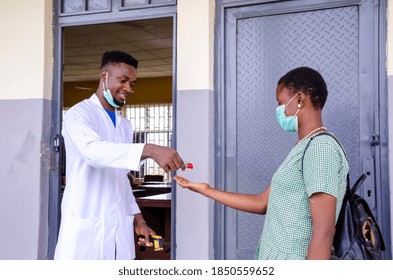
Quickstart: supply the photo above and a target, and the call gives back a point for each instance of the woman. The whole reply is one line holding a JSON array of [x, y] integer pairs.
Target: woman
[[303, 201]]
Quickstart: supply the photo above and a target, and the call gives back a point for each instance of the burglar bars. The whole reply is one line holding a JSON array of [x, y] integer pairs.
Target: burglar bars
[[152, 123]]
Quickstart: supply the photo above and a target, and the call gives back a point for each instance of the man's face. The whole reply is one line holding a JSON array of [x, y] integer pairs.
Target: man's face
[[121, 81]]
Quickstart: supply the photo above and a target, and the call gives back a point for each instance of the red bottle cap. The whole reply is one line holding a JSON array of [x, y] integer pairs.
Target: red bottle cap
[[189, 165]]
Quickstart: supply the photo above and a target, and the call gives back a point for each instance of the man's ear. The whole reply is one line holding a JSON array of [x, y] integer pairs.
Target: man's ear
[[103, 74]]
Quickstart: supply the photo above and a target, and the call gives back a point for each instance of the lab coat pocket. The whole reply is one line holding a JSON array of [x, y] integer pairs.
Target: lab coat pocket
[[125, 239], [85, 238]]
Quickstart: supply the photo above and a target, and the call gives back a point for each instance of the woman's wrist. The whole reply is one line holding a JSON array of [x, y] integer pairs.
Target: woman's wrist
[[207, 190]]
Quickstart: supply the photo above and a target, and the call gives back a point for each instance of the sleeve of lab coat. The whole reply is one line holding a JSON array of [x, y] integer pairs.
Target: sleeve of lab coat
[[79, 131]]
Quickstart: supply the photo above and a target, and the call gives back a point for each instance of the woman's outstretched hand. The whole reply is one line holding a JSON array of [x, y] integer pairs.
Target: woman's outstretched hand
[[196, 187]]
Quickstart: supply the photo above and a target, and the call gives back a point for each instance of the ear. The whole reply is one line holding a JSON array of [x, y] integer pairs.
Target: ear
[[301, 98], [103, 74]]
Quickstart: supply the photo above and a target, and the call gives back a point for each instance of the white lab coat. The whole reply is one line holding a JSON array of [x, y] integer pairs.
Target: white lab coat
[[98, 206]]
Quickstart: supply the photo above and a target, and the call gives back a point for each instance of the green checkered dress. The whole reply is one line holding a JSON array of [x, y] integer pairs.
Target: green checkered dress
[[288, 227]]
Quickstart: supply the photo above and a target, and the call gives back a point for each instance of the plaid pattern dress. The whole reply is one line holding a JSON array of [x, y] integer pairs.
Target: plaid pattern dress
[[288, 228]]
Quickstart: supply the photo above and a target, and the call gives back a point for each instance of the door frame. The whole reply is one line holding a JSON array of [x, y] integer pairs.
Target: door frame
[[115, 14], [381, 119]]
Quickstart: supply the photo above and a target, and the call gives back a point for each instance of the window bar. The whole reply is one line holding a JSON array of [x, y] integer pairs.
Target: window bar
[[152, 124]]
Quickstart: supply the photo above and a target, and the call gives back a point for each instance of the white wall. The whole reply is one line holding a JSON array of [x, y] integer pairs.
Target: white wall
[[195, 44], [26, 49]]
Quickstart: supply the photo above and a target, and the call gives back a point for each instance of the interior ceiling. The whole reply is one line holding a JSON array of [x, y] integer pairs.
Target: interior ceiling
[[149, 41]]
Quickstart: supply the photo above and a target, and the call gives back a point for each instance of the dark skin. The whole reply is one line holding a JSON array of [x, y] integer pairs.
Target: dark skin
[[121, 82], [322, 205]]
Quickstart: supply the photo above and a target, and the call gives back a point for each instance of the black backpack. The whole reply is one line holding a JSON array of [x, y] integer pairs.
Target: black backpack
[[358, 236]]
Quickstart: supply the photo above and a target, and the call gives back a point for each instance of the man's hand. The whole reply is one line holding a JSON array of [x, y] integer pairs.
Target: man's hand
[[142, 229], [167, 158]]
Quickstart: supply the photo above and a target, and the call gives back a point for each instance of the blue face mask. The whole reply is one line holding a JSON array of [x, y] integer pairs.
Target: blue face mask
[[288, 123], [108, 95]]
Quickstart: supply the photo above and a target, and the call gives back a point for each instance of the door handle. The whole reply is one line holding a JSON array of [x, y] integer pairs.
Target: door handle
[[374, 139], [56, 143]]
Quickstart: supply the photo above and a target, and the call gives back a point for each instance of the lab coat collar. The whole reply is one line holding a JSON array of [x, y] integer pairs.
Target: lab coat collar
[[96, 101]]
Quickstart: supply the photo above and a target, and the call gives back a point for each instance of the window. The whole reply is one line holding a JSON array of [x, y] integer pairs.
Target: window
[[79, 7], [73, 7], [152, 124], [134, 4]]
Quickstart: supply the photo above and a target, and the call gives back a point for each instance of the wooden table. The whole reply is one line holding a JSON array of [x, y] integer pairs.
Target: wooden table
[[156, 209], [150, 189]]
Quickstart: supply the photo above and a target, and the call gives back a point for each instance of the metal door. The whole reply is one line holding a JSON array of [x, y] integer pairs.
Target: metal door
[[260, 44]]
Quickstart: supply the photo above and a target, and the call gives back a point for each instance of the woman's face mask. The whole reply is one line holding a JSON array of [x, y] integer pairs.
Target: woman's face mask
[[288, 123]]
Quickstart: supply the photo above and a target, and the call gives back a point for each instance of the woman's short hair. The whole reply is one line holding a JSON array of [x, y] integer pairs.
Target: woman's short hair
[[306, 80]]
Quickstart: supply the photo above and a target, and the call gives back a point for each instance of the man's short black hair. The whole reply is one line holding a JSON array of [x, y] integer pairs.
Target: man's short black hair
[[308, 81], [118, 57]]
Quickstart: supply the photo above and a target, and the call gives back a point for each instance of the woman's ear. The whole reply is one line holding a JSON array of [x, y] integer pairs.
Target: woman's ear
[[301, 97]]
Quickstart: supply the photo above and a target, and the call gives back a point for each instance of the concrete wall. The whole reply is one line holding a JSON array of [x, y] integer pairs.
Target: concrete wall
[[195, 126], [26, 79]]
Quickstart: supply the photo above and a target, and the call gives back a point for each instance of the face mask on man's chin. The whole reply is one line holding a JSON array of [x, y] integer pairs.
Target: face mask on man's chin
[[113, 102], [108, 95]]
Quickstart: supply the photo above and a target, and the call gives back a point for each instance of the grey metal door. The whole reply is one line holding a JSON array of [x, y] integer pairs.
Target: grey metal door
[[260, 44]]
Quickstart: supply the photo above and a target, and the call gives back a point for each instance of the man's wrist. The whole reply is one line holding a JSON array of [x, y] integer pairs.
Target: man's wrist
[[139, 223], [147, 150]]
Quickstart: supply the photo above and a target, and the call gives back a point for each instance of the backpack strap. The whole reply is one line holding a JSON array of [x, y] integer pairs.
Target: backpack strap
[[334, 137], [358, 183]]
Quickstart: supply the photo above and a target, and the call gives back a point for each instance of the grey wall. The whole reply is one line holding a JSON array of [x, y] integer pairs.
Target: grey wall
[[390, 122], [24, 172], [195, 143]]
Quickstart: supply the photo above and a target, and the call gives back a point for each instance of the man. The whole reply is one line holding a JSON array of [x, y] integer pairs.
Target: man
[[99, 210]]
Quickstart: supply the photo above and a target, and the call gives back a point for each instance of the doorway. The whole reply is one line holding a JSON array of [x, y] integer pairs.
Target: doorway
[[149, 109]]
